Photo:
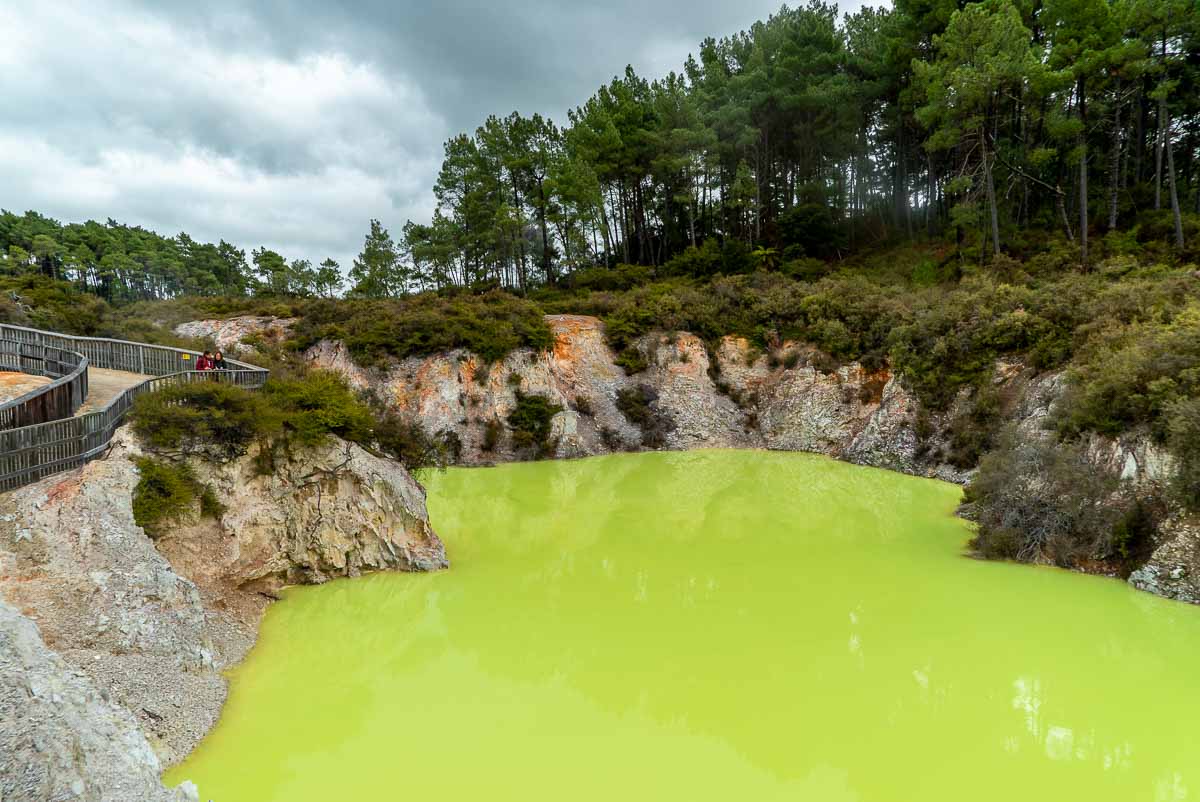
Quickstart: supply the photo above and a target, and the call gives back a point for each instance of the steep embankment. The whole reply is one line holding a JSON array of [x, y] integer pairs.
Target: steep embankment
[[731, 396], [131, 634]]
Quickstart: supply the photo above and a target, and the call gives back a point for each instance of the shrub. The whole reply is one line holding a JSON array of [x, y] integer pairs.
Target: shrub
[[973, 430], [813, 227], [168, 491], [220, 420], [636, 405], [1184, 441], [621, 277], [1044, 501], [489, 325], [632, 361], [1132, 374], [704, 260], [491, 435], [46, 303], [405, 440], [209, 417], [317, 405], [530, 422]]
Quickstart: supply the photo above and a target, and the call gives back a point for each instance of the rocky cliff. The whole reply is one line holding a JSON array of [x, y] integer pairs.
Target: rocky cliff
[[108, 637], [735, 397]]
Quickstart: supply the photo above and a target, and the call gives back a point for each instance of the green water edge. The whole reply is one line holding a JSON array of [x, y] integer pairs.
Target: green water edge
[[709, 625]]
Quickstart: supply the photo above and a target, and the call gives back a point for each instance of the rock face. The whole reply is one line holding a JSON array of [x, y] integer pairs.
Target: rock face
[[150, 625], [735, 398], [1173, 570], [60, 738], [237, 335]]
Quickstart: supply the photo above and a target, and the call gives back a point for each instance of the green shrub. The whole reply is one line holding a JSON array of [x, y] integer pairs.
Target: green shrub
[[405, 440], [1043, 501], [813, 227], [1133, 533], [489, 325], [1131, 374], [210, 417], [210, 505], [632, 361], [167, 492], [221, 420], [973, 430], [636, 405], [621, 277], [1183, 438], [530, 422], [45, 303], [704, 260], [492, 430], [317, 405]]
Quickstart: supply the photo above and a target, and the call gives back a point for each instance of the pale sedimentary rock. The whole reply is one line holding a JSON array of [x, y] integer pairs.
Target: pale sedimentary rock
[[238, 335]]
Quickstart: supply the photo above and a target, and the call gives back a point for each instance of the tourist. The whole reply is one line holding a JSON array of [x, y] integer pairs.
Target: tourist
[[218, 362], [204, 361]]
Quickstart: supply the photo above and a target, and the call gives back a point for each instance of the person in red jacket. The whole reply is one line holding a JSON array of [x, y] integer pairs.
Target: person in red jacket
[[204, 361]]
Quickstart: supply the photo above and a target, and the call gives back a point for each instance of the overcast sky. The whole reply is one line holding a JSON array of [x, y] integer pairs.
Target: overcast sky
[[290, 124]]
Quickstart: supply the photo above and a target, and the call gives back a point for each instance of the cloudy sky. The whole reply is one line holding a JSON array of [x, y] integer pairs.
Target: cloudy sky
[[291, 123]]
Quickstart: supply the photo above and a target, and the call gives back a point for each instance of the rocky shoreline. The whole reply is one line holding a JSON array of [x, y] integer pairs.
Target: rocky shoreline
[[112, 644]]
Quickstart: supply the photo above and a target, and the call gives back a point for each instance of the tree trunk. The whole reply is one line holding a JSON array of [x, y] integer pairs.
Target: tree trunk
[[993, 213], [546, 268], [1114, 163], [604, 231], [1158, 153], [931, 196], [1059, 201], [1083, 176], [522, 270], [691, 209], [1174, 191], [1139, 136]]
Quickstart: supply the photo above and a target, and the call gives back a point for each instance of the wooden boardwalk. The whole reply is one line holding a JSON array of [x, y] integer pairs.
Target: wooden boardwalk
[[104, 385], [75, 391]]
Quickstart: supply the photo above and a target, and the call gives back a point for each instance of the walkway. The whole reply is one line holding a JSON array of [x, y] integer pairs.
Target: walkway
[[104, 385], [66, 422]]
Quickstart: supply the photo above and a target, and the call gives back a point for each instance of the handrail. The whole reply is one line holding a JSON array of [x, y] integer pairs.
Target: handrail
[[61, 398], [31, 452]]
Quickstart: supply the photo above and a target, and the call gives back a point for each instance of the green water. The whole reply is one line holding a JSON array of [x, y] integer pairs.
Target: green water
[[710, 626]]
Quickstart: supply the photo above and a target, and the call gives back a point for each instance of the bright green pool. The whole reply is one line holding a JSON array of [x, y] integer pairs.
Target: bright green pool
[[715, 625]]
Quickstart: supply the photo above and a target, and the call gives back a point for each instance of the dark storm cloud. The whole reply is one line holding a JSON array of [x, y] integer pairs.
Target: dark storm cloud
[[291, 123], [479, 58]]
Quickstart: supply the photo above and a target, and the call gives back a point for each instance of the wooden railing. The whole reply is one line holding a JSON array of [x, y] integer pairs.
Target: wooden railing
[[60, 398], [31, 452]]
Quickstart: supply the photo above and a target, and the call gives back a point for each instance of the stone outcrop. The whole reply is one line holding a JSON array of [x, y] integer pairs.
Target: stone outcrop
[[60, 737], [147, 626], [238, 335], [1173, 570]]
